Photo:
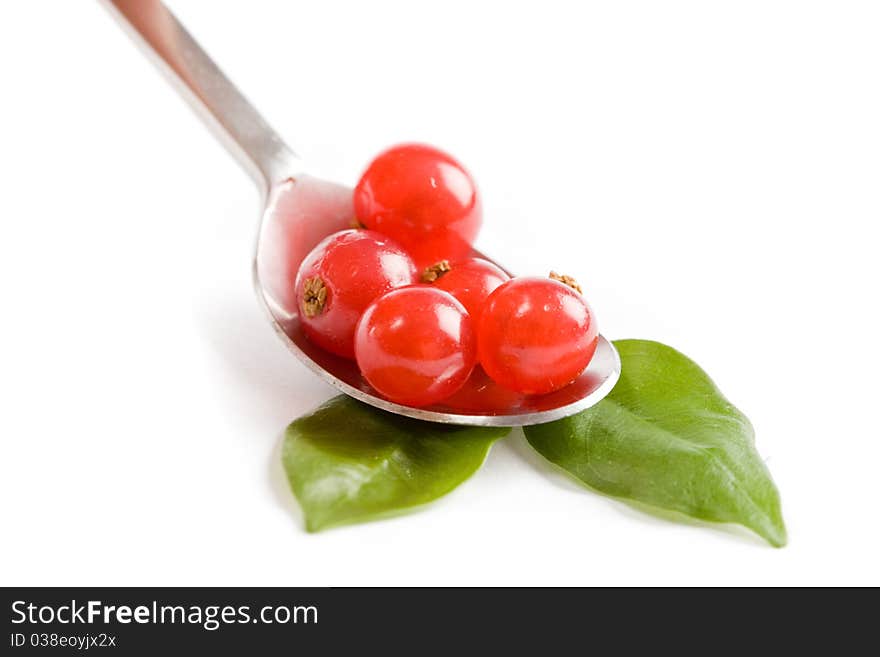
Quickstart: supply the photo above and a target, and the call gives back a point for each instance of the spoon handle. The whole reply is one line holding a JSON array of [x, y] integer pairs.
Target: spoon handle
[[240, 127]]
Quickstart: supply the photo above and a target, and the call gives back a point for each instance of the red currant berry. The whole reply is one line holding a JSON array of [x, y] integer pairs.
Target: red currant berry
[[416, 345], [470, 281], [422, 198], [536, 335], [340, 277]]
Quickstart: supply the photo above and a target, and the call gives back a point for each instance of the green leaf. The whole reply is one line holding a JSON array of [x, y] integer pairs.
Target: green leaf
[[668, 438], [349, 462]]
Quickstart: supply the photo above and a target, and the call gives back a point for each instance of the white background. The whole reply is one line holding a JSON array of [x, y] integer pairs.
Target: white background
[[708, 170]]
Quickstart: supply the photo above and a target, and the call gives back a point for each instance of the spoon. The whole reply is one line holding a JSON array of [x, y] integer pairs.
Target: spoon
[[298, 212]]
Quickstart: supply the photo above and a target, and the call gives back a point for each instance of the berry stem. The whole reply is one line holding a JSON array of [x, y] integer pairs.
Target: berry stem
[[314, 296], [435, 271], [566, 280]]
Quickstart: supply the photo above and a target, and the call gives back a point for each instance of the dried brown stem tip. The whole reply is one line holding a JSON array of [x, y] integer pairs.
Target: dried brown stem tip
[[566, 280], [356, 223], [435, 271], [314, 296]]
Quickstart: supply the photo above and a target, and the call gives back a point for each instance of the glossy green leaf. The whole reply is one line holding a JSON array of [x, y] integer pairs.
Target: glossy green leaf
[[349, 462], [668, 438]]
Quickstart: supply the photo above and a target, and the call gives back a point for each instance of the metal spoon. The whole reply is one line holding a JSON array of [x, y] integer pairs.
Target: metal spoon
[[298, 211]]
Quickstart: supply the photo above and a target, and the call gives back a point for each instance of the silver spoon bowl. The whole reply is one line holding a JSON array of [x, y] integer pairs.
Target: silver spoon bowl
[[298, 212]]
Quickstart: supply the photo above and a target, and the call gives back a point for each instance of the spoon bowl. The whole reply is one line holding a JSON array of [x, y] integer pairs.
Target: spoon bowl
[[298, 212]]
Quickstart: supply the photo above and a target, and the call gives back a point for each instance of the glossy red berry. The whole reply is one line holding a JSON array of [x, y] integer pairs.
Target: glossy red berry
[[471, 281], [536, 335], [340, 277], [416, 345], [422, 198]]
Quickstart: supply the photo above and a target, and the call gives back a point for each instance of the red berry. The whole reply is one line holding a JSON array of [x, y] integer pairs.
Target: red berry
[[340, 277], [416, 345], [536, 335], [424, 199], [470, 281]]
